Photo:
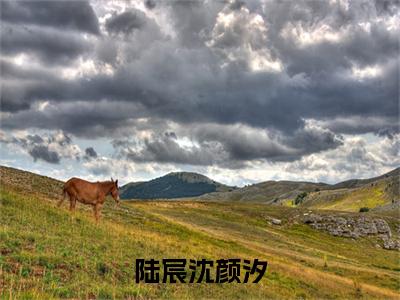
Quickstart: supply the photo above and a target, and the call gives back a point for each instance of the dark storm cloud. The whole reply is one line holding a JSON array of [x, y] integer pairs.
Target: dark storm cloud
[[90, 152], [386, 126], [150, 4], [228, 146], [126, 22], [195, 71], [246, 144], [10, 71], [237, 4], [165, 149], [43, 153], [49, 45], [387, 6], [76, 15], [193, 20], [48, 148], [80, 118], [312, 140]]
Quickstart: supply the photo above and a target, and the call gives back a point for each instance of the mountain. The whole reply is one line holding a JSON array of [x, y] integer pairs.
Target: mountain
[[267, 192], [377, 193], [380, 193], [353, 183], [173, 185]]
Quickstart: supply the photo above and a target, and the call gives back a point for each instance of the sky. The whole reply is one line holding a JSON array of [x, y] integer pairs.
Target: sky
[[240, 91]]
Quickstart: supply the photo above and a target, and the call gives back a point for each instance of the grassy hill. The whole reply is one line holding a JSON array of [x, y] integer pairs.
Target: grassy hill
[[46, 252], [382, 192], [354, 183], [173, 185], [267, 192]]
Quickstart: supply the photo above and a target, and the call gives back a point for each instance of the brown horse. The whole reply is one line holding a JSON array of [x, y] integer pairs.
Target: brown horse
[[90, 193]]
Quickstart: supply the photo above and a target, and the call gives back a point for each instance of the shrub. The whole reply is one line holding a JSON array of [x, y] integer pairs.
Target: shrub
[[300, 197], [364, 209]]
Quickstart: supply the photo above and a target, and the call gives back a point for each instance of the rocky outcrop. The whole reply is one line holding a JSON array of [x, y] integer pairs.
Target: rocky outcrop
[[276, 221], [391, 244], [353, 227], [273, 221]]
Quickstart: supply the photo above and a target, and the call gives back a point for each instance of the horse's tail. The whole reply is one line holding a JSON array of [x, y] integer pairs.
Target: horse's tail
[[64, 194]]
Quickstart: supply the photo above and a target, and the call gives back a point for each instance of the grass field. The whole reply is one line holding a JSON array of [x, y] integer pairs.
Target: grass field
[[371, 195], [47, 252]]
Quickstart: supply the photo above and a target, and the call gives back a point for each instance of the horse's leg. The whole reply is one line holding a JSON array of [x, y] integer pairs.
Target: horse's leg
[[62, 199], [97, 211], [72, 204], [94, 211]]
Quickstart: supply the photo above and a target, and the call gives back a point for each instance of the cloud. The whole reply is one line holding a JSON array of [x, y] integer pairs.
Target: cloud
[[237, 4], [76, 15], [78, 118], [126, 22], [241, 82], [90, 153], [357, 124], [357, 157], [231, 94], [150, 4], [43, 152], [229, 146], [166, 149], [50, 148], [102, 167], [46, 44]]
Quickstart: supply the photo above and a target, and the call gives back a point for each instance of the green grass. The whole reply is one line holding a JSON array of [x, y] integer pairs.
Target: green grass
[[47, 252], [370, 197]]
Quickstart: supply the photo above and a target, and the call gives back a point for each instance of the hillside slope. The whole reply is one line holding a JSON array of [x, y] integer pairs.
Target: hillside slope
[[382, 192], [46, 252], [354, 183], [267, 192], [173, 185], [31, 184]]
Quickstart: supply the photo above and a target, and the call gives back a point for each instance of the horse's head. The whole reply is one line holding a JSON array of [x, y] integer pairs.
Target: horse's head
[[115, 190]]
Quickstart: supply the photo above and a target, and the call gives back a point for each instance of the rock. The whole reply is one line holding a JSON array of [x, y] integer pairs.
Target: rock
[[276, 221], [312, 218], [341, 221], [382, 227], [350, 227], [391, 244]]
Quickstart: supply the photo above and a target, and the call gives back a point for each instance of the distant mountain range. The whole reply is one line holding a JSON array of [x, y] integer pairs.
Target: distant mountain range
[[381, 191], [173, 185]]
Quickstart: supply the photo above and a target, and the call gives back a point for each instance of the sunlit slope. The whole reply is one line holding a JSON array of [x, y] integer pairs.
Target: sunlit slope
[[382, 194], [379, 193], [46, 252]]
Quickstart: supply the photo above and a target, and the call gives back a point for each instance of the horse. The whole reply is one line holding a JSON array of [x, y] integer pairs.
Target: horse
[[90, 193]]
